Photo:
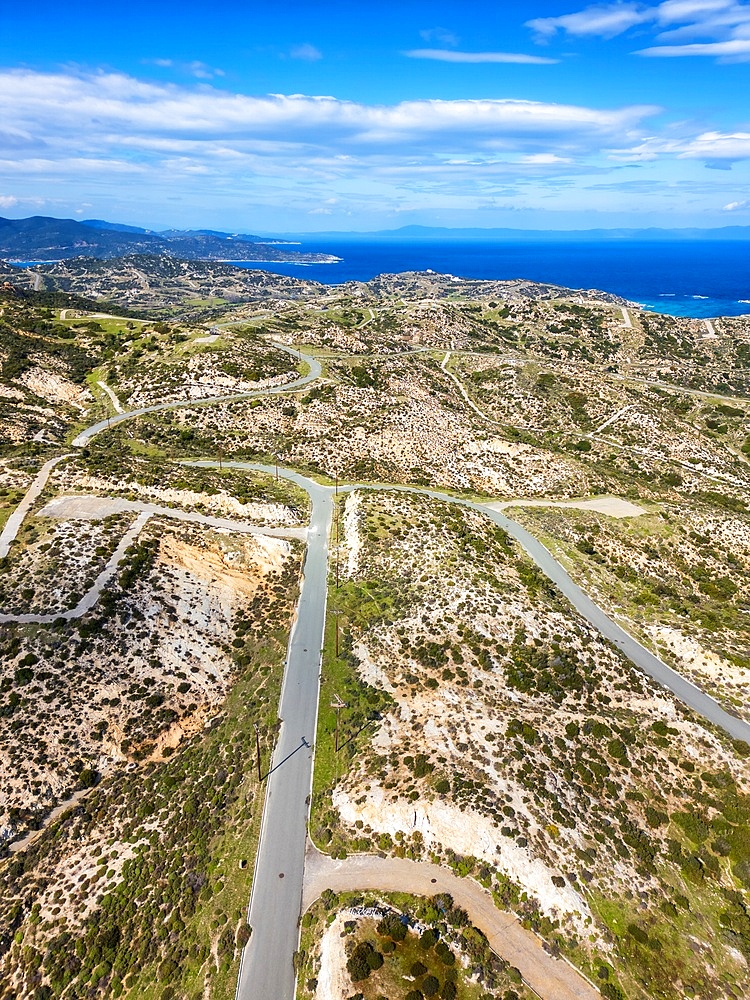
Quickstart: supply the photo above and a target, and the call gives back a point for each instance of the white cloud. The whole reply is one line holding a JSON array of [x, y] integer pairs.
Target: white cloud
[[306, 52], [147, 142], [452, 56], [736, 206], [711, 28], [716, 149], [734, 49], [605, 20], [203, 72], [545, 159], [108, 109], [11, 201], [196, 68], [443, 36]]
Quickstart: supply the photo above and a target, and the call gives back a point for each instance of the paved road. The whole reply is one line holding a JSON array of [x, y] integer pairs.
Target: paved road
[[550, 978], [276, 900], [682, 688], [266, 972], [14, 522], [315, 372]]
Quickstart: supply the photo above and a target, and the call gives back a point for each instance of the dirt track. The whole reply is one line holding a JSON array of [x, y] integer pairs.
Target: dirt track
[[552, 979]]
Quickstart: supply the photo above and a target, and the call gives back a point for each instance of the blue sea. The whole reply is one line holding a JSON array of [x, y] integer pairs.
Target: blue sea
[[700, 278]]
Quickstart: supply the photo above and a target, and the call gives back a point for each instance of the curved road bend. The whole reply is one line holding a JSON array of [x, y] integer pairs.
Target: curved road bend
[[78, 505], [266, 970], [276, 898], [92, 595], [275, 903], [315, 372], [548, 977], [14, 522], [682, 688]]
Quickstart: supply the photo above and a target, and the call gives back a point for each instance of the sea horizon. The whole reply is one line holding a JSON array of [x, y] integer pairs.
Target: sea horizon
[[700, 279]]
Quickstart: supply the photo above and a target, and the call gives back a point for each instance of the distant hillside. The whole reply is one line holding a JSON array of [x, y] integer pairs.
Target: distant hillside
[[163, 286], [117, 227], [40, 238], [160, 284]]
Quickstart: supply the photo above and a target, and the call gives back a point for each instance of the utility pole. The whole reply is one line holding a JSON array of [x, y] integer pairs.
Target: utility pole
[[276, 462], [336, 619], [221, 455], [257, 747], [338, 704]]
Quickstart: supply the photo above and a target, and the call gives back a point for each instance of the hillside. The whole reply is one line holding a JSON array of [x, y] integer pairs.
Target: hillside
[[43, 238], [468, 715]]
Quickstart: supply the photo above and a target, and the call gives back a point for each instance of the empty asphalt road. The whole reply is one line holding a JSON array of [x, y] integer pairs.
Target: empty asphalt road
[[267, 972]]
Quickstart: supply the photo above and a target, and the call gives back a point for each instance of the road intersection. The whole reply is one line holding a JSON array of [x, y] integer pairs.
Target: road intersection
[[267, 969]]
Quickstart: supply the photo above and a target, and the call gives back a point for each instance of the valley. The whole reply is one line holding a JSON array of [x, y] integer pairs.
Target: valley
[[468, 717]]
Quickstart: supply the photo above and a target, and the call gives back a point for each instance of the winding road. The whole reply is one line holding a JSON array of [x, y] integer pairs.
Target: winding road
[[16, 519], [315, 372], [267, 971], [276, 901], [547, 977]]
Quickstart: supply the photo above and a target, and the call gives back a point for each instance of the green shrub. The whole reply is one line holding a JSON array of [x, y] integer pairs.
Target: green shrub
[[430, 986]]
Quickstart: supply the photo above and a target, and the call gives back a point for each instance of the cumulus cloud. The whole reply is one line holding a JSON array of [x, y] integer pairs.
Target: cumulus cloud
[[95, 132], [736, 206], [453, 56], [107, 108]]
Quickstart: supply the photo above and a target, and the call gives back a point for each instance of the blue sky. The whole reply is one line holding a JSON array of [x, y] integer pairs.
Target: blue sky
[[343, 116]]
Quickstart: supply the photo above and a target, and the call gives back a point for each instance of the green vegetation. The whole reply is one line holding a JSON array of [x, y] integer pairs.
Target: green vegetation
[[499, 705], [171, 845], [386, 957]]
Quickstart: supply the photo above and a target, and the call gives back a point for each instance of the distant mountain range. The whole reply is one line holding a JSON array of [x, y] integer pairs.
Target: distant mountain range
[[40, 238], [435, 233]]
